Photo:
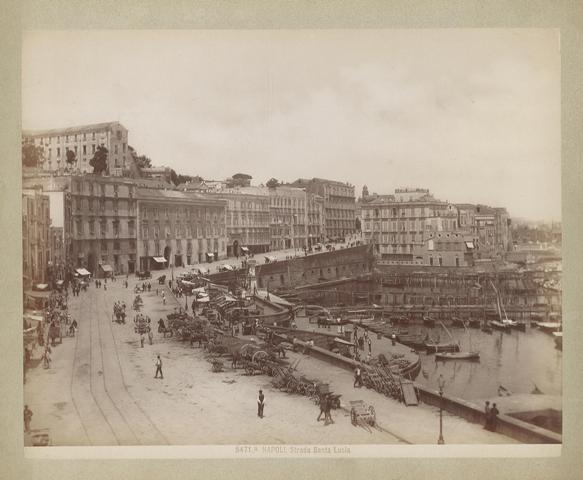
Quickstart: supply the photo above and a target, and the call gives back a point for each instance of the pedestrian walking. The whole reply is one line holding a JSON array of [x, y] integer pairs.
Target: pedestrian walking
[[323, 400], [159, 368], [327, 409], [260, 404], [27, 418], [487, 410], [494, 418], [369, 346], [357, 377]]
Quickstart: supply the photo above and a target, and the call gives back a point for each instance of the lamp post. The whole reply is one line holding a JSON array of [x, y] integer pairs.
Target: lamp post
[[441, 384]]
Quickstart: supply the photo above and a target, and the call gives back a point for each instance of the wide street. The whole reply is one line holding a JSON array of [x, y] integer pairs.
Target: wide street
[[101, 390]]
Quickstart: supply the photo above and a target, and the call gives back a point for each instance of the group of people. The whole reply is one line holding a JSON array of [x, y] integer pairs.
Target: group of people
[[325, 408], [491, 413], [119, 311]]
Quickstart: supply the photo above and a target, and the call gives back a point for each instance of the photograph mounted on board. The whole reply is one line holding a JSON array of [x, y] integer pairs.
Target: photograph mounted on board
[[292, 237]]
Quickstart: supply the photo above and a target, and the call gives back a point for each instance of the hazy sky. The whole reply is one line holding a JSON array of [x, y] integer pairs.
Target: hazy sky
[[473, 115]]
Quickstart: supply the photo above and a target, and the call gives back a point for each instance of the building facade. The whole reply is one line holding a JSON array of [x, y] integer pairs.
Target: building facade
[[339, 205], [247, 220], [98, 217], [83, 141], [179, 228], [445, 249], [489, 226], [36, 245], [399, 224], [289, 217], [315, 212]]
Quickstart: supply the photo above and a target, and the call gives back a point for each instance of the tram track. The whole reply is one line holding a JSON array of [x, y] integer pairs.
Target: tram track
[[104, 377], [108, 306]]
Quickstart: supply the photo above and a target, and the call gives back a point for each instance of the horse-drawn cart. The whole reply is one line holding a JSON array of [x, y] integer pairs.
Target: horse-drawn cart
[[362, 413]]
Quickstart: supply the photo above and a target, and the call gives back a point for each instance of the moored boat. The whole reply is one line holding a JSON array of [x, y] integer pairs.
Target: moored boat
[[436, 347], [414, 341], [496, 324], [457, 356], [549, 327], [474, 323], [428, 321], [457, 322]]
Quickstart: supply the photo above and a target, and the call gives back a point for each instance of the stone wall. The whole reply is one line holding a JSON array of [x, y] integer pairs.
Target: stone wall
[[316, 268]]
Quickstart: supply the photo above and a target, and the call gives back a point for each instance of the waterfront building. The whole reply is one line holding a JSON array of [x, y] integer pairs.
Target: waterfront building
[[247, 219], [398, 225], [289, 217], [83, 141], [339, 205], [36, 245], [490, 226], [315, 212], [179, 228], [445, 249]]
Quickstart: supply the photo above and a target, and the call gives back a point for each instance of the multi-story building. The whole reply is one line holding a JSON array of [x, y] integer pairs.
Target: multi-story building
[[248, 219], [98, 217], [83, 141], [489, 226], [179, 228], [289, 217], [339, 204], [36, 245], [445, 249], [315, 219], [399, 224]]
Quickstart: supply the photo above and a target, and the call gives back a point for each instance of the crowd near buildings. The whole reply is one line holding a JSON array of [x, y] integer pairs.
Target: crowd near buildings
[[130, 217]]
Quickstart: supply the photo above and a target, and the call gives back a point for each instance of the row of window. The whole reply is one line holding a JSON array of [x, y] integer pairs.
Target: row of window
[[212, 245], [103, 205], [214, 215], [75, 137], [182, 230], [103, 227], [440, 210]]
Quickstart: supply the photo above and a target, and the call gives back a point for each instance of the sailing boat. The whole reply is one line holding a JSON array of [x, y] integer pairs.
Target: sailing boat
[[461, 355], [504, 324], [435, 347]]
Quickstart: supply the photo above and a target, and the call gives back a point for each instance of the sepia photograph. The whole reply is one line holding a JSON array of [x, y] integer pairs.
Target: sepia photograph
[[292, 242]]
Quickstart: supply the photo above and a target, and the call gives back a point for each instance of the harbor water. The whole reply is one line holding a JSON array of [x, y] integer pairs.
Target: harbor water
[[517, 361]]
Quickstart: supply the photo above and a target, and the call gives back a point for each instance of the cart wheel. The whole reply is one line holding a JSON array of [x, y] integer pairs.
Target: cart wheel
[[353, 416]]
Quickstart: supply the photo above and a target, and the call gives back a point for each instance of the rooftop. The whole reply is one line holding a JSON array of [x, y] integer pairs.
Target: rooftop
[[68, 130]]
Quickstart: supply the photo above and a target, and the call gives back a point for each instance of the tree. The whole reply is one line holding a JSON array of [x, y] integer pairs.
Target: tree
[[71, 157], [32, 155], [272, 183], [99, 160]]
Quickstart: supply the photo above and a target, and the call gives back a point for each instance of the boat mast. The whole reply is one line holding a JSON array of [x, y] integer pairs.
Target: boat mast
[[445, 328]]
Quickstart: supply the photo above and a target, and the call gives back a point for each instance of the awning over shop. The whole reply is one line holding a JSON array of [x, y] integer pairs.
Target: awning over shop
[[83, 272], [245, 249], [106, 268], [60, 282], [159, 259], [41, 286], [270, 258], [228, 267], [34, 294], [210, 255], [470, 245]]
